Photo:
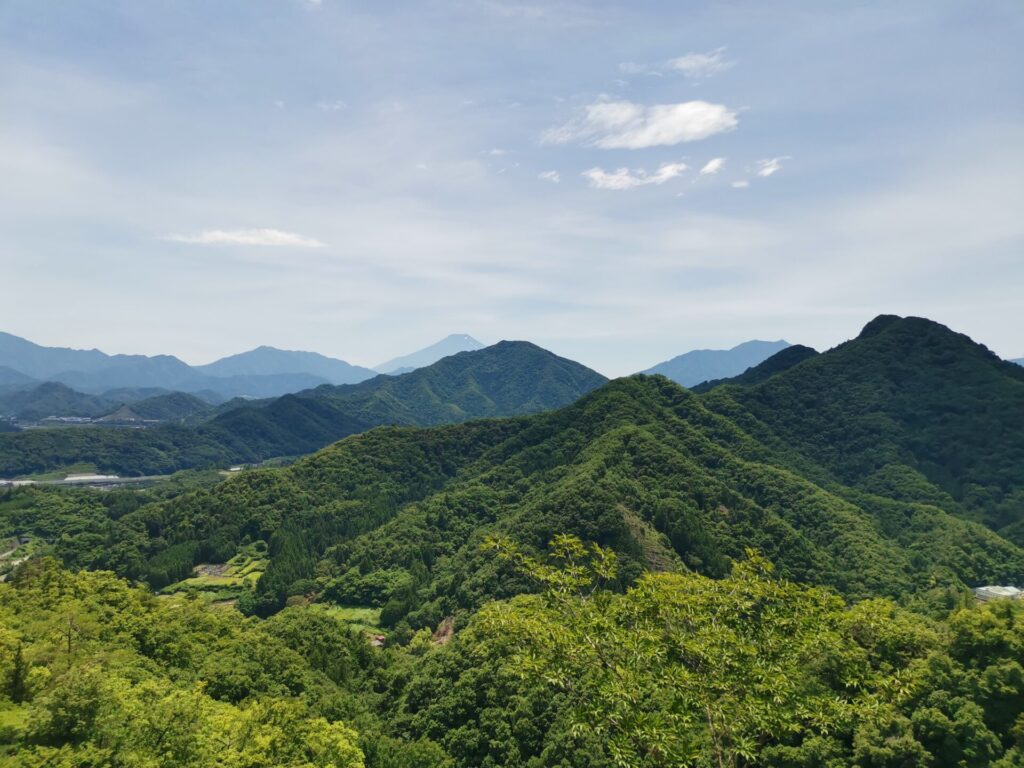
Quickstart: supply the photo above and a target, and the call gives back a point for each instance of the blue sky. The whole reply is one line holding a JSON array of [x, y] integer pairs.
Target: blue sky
[[618, 182]]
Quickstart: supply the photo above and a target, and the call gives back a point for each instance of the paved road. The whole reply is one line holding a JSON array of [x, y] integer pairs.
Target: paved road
[[106, 482]]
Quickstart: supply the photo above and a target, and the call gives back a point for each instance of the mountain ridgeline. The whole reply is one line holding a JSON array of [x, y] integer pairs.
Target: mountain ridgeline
[[450, 345], [262, 372], [908, 403], [886, 466], [39, 402], [507, 379], [264, 361], [702, 365], [777, 363], [771, 571]]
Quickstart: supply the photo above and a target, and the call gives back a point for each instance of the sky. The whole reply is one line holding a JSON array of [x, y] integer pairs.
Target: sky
[[619, 182]]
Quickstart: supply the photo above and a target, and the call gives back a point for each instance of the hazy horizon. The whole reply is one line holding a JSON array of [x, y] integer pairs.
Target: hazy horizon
[[618, 183]]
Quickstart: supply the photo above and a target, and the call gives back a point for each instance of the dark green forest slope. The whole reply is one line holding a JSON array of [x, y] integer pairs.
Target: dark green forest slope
[[680, 670], [908, 409], [507, 379], [657, 473], [641, 465], [49, 399], [775, 574], [510, 378]]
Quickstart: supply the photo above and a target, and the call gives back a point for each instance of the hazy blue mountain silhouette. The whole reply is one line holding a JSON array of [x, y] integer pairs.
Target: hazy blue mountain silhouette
[[702, 365], [450, 345]]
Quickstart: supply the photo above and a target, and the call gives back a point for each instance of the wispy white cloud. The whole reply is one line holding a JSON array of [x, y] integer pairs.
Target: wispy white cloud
[[625, 125], [331, 106], [741, 184], [633, 68], [557, 14], [260, 237], [697, 66], [713, 166], [771, 165], [623, 179], [553, 176]]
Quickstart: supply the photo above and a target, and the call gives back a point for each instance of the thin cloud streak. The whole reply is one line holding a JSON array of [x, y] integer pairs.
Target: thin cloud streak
[[623, 179], [257, 237], [625, 125], [701, 65]]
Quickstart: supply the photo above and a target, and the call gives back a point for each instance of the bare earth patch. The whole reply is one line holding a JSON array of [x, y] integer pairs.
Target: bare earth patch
[[210, 569], [445, 631]]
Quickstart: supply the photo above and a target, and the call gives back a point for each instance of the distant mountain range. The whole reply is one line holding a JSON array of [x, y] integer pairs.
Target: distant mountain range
[[511, 378], [702, 365], [1018, 361], [891, 465], [450, 345], [259, 373], [777, 363], [38, 402], [264, 361], [51, 398]]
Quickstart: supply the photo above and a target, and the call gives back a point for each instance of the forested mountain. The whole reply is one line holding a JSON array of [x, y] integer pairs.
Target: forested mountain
[[908, 407], [449, 345], [51, 399], [268, 360], [171, 407], [507, 379], [774, 573], [702, 365], [40, 401], [640, 465]]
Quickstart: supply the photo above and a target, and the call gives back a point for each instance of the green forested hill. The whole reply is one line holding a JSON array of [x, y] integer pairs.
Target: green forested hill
[[171, 407], [680, 670], [507, 379], [51, 399], [829, 468], [744, 598], [641, 465], [908, 408]]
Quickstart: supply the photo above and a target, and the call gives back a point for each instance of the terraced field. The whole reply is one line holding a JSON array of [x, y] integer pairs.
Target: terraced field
[[222, 583]]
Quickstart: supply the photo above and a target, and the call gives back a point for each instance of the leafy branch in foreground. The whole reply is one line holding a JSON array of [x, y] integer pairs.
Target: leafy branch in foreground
[[683, 670]]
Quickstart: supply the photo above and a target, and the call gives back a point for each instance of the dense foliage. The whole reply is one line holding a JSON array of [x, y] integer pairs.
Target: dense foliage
[[907, 398], [683, 670], [641, 466], [97, 673], [776, 574], [680, 670]]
